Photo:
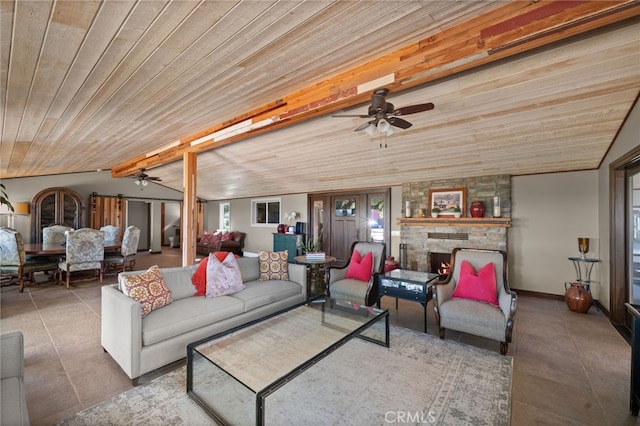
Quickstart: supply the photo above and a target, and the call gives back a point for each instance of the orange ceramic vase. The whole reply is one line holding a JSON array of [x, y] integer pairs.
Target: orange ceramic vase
[[577, 297]]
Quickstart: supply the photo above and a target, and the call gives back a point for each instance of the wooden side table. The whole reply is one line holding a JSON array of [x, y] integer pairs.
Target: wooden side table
[[316, 284]]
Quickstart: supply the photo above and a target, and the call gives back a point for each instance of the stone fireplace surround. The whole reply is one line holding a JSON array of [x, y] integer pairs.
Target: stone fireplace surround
[[421, 236]]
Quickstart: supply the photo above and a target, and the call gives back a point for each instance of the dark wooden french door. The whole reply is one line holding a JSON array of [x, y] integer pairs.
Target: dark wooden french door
[[348, 217]]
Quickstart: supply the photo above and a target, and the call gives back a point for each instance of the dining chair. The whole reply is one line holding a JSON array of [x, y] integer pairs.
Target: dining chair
[[14, 262], [128, 250], [84, 251], [55, 234], [111, 232]]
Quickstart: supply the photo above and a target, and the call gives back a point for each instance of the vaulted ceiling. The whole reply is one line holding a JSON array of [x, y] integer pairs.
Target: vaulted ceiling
[[518, 87]]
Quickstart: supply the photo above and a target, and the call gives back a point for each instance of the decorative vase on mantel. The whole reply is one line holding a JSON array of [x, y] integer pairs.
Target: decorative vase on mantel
[[477, 209]]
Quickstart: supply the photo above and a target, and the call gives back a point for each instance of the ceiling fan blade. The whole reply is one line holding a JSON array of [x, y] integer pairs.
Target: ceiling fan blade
[[355, 115], [363, 126], [157, 179], [412, 109], [399, 122]]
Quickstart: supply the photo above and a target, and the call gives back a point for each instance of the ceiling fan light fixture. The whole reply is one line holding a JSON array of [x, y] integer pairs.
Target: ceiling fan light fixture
[[137, 181], [389, 131], [371, 129], [145, 182], [383, 126]]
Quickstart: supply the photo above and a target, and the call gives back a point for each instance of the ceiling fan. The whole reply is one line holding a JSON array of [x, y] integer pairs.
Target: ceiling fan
[[141, 178], [385, 115]]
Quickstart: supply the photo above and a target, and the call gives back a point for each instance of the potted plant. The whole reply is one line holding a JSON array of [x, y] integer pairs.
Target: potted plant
[[435, 212], [313, 247], [4, 198], [456, 212]]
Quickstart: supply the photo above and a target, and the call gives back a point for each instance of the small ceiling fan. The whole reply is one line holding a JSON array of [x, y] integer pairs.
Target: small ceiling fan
[[141, 178], [385, 115]]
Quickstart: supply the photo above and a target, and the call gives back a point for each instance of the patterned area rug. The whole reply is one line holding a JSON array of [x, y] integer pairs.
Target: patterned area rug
[[420, 379]]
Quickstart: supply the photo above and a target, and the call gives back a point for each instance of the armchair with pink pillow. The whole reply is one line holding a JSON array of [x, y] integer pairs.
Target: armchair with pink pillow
[[476, 298], [357, 281]]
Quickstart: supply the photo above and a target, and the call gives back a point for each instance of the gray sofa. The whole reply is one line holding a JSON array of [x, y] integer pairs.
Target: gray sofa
[[13, 403], [140, 345]]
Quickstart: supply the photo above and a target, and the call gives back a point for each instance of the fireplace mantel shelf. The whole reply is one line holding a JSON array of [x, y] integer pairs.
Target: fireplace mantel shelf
[[504, 222]]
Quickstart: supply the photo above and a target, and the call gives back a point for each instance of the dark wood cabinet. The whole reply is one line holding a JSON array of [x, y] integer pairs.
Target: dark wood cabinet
[[55, 206]]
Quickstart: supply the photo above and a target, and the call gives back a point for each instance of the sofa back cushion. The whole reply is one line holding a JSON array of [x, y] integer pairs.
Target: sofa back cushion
[[249, 268], [177, 279]]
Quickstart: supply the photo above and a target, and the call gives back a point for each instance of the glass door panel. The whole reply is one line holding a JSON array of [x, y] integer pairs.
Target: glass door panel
[[376, 217], [634, 238], [70, 211]]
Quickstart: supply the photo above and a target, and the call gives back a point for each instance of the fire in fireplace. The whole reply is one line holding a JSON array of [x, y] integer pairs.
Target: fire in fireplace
[[440, 263]]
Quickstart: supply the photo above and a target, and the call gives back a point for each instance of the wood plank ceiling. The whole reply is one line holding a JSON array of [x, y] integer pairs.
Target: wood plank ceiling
[[519, 88]]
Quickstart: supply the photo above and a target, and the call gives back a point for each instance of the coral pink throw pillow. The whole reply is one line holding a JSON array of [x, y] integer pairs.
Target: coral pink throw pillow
[[480, 286], [360, 268]]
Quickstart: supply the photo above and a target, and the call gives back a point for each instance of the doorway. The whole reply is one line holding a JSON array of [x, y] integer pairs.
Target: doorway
[[347, 217], [625, 238]]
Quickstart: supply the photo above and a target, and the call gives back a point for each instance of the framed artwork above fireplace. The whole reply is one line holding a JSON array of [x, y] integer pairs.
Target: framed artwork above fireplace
[[447, 200]]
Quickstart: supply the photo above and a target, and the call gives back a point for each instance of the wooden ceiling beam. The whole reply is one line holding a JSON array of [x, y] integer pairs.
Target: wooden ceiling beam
[[511, 29]]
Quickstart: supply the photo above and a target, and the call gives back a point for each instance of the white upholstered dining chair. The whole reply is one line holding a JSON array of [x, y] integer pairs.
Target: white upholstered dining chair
[[84, 251], [55, 234], [128, 249], [14, 262]]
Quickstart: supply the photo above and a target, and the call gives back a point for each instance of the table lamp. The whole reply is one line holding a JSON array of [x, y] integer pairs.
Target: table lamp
[[19, 208]]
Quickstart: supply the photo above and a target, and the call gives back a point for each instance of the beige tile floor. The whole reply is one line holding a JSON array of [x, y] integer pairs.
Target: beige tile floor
[[569, 369]]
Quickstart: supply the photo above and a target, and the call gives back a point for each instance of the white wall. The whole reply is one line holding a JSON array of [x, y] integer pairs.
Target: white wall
[[549, 213], [258, 237]]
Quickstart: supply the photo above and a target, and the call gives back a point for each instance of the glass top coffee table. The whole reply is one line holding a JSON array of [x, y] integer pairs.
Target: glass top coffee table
[[231, 374]]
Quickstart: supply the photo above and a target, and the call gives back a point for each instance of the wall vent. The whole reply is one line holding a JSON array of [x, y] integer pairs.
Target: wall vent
[[448, 236]]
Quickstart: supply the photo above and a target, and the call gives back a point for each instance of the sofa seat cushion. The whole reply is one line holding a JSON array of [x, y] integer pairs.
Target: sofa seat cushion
[[261, 293], [477, 318], [185, 315], [14, 402]]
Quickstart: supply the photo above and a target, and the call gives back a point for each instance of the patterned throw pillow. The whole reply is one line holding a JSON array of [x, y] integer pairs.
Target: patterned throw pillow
[[207, 238], [199, 277], [273, 265], [360, 268], [481, 286], [147, 288], [223, 277]]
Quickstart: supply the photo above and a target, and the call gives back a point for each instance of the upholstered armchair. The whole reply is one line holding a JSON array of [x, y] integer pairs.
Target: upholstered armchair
[[14, 262], [84, 251], [128, 250], [355, 290], [460, 306], [55, 234]]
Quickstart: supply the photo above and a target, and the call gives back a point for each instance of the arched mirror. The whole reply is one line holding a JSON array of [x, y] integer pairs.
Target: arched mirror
[[55, 206]]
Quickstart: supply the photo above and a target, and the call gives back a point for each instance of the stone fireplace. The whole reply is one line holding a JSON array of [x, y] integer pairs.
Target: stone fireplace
[[427, 241]]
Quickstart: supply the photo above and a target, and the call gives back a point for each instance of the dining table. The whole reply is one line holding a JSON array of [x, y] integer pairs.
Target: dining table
[[32, 249]]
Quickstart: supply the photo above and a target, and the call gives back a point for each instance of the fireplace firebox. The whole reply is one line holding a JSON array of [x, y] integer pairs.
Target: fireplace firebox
[[440, 263]]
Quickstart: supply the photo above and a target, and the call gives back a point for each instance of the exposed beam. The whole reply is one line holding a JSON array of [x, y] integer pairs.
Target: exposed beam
[[512, 29]]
